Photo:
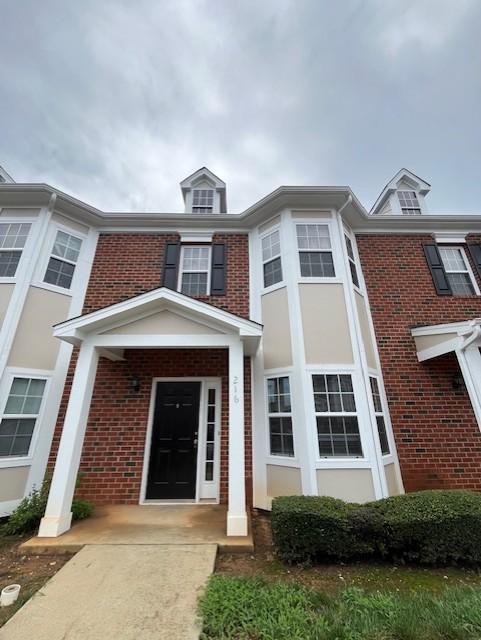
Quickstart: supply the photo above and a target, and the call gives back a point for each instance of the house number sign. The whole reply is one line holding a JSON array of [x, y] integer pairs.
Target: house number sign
[[235, 388]]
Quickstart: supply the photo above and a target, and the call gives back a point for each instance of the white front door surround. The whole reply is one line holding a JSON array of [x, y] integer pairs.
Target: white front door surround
[[241, 337]]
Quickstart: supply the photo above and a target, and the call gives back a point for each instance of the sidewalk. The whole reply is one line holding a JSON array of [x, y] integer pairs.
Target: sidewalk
[[119, 592]]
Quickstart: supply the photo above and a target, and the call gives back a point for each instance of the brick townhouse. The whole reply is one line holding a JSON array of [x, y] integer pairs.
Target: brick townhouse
[[303, 346]]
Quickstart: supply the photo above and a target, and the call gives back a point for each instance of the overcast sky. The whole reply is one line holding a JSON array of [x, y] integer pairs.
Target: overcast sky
[[116, 101]]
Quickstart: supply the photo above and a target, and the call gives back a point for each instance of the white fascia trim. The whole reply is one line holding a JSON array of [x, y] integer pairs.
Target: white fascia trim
[[71, 328], [439, 329]]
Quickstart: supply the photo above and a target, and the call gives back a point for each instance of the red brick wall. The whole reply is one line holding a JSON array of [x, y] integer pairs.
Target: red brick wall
[[113, 452], [437, 437], [127, 265]]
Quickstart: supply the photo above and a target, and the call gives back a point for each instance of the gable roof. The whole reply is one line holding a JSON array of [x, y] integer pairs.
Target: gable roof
[[403, 175], [76, 329], [205, 174]]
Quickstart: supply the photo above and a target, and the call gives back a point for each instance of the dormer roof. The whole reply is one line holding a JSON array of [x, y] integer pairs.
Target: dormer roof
[[5, 177], [403, 180], [201, 178]]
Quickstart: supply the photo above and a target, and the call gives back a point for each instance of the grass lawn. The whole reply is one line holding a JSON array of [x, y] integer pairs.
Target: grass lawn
[[256, 597], [28, 570], [253, 609]]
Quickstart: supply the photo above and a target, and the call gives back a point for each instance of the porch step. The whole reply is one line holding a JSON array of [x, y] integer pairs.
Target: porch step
[[146, 525]]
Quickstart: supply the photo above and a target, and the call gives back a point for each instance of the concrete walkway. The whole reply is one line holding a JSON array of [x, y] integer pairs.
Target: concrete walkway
[[119, 592]]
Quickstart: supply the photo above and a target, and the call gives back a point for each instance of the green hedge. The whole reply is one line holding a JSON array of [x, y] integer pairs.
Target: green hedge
[[427, 527]]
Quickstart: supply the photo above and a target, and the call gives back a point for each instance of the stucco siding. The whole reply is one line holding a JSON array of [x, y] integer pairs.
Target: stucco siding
[[34, 345], [163, 323], [283, 481], [351, 485], [12, 483], [365, 331], [6, 291], [325, 325], [392, 480], [277, 333]]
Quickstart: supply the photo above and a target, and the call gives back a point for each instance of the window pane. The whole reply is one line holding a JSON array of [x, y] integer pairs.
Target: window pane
[[15, 436], [194, 284], [316, 265], [13, 236], [25, 396], [354, 276], [8, 263], [281, 438], [319, 383], [338, 436], [59, 273], [376, 397], [381, 428], [195, 258], [313, 236], [278, 395], [211, 399], [272, 272], [209, 471], [333, 382], [66, 246], [460, 284], [271, 246]]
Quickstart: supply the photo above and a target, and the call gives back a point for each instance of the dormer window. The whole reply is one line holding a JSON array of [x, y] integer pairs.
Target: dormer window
[[202, 200], [409, 203]]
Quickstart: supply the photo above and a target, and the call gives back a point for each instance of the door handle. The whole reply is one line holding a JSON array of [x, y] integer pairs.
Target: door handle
[[195, 443]]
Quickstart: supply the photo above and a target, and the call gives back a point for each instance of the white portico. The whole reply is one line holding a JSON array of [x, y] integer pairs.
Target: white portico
[[159, 319]]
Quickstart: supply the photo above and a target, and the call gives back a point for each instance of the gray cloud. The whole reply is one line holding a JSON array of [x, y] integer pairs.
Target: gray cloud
[[116, 101]]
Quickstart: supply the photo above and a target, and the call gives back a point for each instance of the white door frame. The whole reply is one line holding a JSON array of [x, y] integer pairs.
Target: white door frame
[[206, 383]]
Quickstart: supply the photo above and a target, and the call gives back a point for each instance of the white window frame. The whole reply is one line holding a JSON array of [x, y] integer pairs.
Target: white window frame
[[468, 269], [211, 207], [42, 266], [264, 235], [339, 461], [5, 386], [380, 414], [182, 270], [355, 261], [409, 211], [275, 457], [9, 221], [334, 250]]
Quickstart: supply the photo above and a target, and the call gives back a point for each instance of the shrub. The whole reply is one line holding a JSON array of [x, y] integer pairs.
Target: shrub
[[431, 527], [26, 517], [309, 529], [427, 527]]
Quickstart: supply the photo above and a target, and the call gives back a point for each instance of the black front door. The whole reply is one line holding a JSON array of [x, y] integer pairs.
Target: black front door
[[173, 452]]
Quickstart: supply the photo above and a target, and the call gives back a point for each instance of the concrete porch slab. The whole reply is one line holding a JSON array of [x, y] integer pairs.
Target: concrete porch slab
[[146, 525]]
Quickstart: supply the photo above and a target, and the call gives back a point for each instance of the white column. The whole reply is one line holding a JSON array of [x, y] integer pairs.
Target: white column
[[470, 364], [58, 514], [236, 513]]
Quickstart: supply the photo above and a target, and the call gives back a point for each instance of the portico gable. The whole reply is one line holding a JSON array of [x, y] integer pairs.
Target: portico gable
[[159, 319]]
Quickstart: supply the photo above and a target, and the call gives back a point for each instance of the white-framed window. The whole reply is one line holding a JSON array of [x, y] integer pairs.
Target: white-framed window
[[352, 261], [271, 258], [20, 416], [381, 423], [13, 237], [336, 416], [315, 251], [409, 202], [194, 270], [279, 414], [457, 270], [202, 200], [63, 259]]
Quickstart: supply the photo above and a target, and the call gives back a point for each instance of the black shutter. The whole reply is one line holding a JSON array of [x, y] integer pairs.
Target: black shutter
[[475, 253], [171, 263], [436, 267], [219, 267]]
